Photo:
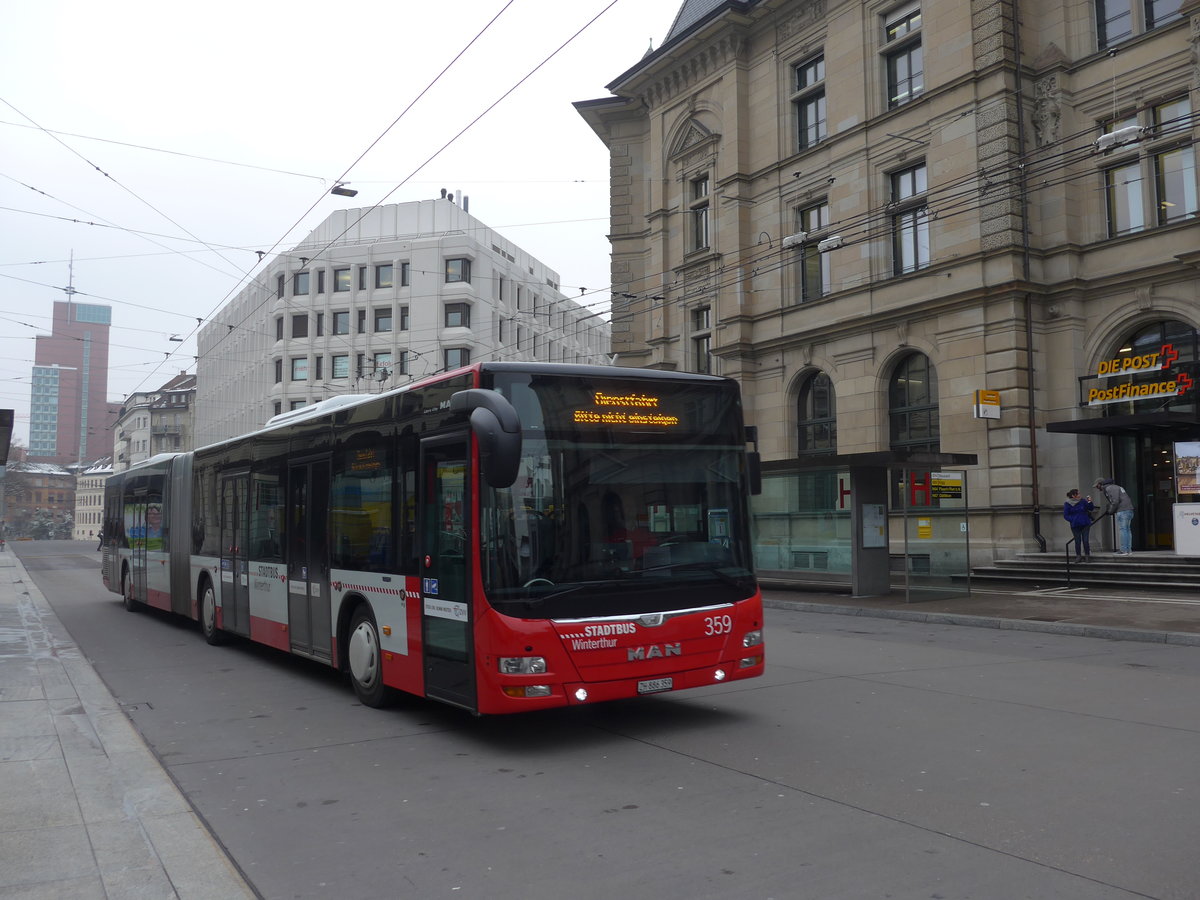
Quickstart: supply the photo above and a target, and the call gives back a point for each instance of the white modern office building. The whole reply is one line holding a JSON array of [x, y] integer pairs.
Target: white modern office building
[[374, 298]]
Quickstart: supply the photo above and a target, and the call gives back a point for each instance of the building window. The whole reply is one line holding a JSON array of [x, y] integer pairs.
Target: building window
[[402, 363], [816, 417], [404, 318], [300, 284], [1175, 185], [1163, 172], [1119, 20], [1123, 195], [279, 328], [341, 280], [383, 365], [320, 324], [902, 56], [910, 225], [340, 366], [699, 210], [358, 366], [383, 320], [458, 315], [456, 357], [296, 404], [299, 368], [300, 326], [404, 274], [278, 407], [702, 348], [341, 322], [458, 270], [702, 318], [383, 276], [278, 371], [808, 99], [362, 278], [318, 368], [913, 405], [362, 321], [279, 283], [1114, 22], [812, 264]]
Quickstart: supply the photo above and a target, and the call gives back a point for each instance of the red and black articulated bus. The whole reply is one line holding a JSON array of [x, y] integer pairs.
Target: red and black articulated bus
[[506, 537]]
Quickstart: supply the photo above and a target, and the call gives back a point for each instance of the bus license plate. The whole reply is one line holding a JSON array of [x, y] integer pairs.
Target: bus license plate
[[654, 685]]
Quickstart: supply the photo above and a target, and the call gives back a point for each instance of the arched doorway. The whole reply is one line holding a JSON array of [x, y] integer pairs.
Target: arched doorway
[[1143, 458]]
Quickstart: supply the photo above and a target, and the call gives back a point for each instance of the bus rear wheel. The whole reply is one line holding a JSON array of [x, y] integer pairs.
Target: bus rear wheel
[[366, 660], [208, 616]]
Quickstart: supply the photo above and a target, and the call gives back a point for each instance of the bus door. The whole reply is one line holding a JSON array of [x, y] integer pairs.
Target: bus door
[[446, 605], [235, 542], [135, 530], [308, 558]]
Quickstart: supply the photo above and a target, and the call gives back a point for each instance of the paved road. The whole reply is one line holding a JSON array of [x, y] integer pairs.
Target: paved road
[[877, 758]]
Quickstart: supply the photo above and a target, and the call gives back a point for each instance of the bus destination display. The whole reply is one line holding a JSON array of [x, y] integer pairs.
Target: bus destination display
[[624, 409]]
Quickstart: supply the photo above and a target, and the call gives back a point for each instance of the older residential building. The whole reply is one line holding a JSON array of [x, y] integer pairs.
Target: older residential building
[[374, 298], [89, 499], [39, 499], [153, 422], [907, 227]]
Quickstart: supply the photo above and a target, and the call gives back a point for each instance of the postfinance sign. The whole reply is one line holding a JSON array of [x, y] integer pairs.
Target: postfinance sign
[[1167, 386]]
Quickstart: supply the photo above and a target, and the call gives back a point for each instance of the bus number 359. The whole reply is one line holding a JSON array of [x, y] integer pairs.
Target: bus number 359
[[718, 625]]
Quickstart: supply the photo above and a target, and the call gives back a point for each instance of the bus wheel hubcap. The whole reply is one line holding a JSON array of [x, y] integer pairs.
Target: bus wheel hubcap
[[364, 654]]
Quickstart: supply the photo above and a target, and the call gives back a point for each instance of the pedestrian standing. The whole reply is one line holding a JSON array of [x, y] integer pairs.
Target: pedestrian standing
[[1078, 513], [1118, 504], [100, 546]]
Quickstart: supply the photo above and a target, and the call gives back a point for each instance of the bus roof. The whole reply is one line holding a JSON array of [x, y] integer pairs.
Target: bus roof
[[348, 401]]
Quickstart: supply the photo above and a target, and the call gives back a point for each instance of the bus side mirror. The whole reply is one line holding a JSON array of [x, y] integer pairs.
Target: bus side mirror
[[754, 471], [497, 427]]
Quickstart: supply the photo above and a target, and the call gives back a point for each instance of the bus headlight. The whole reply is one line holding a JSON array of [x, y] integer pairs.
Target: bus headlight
[[752, 638], [522, 665]]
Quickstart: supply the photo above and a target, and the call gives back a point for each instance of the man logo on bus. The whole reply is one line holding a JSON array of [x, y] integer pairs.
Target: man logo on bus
[[654, 651]]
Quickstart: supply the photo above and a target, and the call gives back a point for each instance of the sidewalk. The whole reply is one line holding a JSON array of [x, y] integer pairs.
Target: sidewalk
[[1109, 613], [86, 811]]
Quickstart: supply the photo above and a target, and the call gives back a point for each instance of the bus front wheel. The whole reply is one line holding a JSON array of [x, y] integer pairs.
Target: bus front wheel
[[208, 616], [366, 660], [131, 602]]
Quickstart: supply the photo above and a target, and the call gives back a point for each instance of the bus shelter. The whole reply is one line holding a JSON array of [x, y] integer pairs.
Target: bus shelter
[[878, 523]]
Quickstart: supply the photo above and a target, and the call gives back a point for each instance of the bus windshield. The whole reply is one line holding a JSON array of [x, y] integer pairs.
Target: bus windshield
[[630, 499]]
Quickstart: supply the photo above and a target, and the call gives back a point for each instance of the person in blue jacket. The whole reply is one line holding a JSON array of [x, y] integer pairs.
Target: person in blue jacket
[[1078, 513]]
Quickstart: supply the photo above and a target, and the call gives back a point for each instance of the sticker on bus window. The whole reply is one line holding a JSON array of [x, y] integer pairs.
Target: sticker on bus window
[[429, 586]]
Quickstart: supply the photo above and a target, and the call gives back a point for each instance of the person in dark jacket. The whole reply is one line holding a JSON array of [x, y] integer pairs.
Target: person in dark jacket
[[1119, 505], [1078, 513]]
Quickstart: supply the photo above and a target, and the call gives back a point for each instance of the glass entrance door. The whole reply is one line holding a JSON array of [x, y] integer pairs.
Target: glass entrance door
[[1143, 464]]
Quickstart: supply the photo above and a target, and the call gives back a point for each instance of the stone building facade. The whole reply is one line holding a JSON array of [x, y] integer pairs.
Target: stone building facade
[[869, 211]]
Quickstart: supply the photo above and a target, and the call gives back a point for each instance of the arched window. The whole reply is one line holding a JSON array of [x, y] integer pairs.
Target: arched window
[[817, 417], [913, 405], [1152, 339]]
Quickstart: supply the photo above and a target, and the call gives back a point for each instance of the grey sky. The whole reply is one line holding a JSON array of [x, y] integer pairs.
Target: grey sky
[[292, 93]]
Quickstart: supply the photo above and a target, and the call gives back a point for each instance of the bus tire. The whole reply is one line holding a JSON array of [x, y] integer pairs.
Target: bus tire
[[366, 660], [131, 602], [208, 616]]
